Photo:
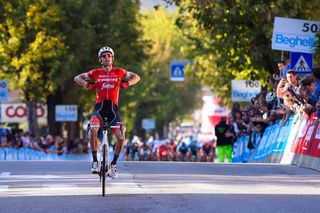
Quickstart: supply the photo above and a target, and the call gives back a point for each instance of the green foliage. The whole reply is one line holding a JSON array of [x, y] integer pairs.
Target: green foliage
[[44, 44], [30, 46], [160, 98], [232, 39]]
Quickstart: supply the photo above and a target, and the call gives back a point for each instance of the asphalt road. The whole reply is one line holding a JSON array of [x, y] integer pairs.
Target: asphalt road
[[67, 186]]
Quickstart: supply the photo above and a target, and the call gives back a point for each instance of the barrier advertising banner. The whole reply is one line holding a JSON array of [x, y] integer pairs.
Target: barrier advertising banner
[[297, 145], [17, 113], [261, 146], [315, 147], [281, 140]]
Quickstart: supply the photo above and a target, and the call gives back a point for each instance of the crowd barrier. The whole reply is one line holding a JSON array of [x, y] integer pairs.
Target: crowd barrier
[[30, 154], [296, 142]]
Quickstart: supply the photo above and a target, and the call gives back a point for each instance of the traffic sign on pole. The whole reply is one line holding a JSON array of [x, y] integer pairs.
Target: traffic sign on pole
[[177, 70], [301, 63], [3, 90]]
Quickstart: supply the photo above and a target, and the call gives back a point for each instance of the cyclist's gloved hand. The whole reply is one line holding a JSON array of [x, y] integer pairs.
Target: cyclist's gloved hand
[[124, 84], [91, 86]]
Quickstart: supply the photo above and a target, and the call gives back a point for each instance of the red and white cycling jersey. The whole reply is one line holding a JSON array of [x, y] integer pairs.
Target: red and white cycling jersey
[[107, 83]]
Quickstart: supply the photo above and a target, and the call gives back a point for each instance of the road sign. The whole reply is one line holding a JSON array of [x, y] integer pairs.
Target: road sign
[[3, 90], [177, 70], [66, 113], [295, 35], [301, 63], [148, 123]]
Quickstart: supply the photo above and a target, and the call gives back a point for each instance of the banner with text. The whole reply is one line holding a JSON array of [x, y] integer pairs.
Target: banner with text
[[66, 113], [295, 35], [17, 113], [244, 90]]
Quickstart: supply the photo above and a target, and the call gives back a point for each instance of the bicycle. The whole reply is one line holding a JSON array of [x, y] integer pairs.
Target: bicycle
[[103, 157]]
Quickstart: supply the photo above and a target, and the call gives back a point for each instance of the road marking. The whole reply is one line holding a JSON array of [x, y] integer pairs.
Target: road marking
[[5, 174], [50, 180], [56, 186], [4, 188]]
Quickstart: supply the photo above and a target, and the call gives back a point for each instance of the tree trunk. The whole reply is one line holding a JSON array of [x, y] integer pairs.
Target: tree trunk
[[32, 118], [54, 127], [73, 130]]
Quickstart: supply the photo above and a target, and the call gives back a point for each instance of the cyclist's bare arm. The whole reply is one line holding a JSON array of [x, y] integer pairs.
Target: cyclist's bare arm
[[82, 79], [132, 77]]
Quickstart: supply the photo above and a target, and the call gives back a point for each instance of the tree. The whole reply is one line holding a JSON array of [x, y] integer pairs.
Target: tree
[[44, 44], [30, 50], [87, 27], [232, 39], [161, 99]]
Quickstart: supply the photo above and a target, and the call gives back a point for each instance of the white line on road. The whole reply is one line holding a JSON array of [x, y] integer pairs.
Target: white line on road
[[55, 186], [50, 180], [4, 188], [5, 174]]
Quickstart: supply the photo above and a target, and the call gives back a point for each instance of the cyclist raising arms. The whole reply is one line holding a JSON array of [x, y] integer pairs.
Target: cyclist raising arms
[[107, 82]]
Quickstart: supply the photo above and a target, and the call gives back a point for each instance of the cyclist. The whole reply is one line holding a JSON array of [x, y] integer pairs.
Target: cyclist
[[106, 81]]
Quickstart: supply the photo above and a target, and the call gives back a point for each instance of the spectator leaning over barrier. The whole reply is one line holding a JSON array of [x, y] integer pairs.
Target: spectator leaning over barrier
[[308, 87], [289, 90], [291, 80], [282, 66], [275, 109], [316, 75], [273, 82], [240, 128], [225, 139]]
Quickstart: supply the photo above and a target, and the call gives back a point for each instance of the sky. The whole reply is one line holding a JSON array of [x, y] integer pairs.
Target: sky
[[148, 4]]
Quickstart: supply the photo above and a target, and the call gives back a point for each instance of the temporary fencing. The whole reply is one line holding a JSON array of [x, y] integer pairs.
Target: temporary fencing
[[30, 154], [295, 142]]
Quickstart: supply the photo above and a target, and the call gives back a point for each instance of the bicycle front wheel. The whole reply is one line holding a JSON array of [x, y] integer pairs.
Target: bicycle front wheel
[[103, 169]]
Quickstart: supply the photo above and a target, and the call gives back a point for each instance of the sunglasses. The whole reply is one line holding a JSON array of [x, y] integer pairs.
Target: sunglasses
[[109, 55]]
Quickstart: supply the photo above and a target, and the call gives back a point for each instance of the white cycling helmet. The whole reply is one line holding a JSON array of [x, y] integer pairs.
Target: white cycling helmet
[[105, 49], [270, 97]]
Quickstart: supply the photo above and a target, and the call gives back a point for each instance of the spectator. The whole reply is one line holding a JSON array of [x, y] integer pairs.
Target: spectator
[[239, 126], [283, 68], [26, 140], [225, 138], [316, 74], [256, 134], [308, 88]]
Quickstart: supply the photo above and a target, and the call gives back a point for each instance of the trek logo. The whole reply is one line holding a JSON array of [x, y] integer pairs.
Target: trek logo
[[295, 41]]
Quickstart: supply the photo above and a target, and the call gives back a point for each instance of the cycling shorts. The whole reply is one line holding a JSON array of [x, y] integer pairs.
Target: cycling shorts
[[106, 113]]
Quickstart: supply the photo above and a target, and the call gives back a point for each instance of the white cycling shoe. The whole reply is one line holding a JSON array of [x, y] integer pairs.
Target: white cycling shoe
[[94, 167], [113, 173]]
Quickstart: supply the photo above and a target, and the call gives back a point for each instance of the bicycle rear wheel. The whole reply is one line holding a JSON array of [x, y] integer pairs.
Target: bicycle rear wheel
[[103, 169]]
